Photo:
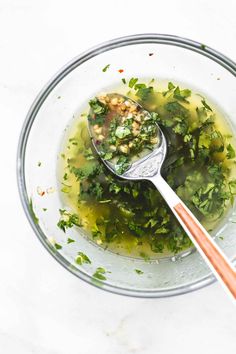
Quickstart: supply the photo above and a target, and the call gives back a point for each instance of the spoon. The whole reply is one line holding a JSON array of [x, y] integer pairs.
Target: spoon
[[148, 167]]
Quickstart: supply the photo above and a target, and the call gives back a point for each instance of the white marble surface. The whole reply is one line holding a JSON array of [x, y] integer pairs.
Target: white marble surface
[[43, 308]]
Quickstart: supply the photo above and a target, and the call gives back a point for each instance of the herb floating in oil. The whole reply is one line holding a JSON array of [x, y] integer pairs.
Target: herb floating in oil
[[99, 273], [68, 220], [131, 217], [82, 258]]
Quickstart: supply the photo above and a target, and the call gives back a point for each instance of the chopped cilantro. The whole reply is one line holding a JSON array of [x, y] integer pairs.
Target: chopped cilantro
[[206, 105], [122, 164], [57, 246], [144, 92], [106, 68], [157, 245], [70, 240], [181, 95], [121, 132], [133, 81], [88, 154], [68, 220], [65, 189], [138, 271], [82, 258], [36, 220], [99, 273], [123, 80], [95, 231], [171, 86], [135, 228], [230, 152], [99, 110]]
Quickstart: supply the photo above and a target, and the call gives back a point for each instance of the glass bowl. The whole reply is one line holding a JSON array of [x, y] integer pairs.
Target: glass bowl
[[146, 55]]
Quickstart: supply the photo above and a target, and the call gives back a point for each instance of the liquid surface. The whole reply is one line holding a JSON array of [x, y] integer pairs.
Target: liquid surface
[[131, 218]]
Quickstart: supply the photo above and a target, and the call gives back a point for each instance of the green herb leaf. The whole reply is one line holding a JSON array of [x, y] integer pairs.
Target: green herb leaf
[[135, 228], [144, 93], [36, 220], [121, 132], [66, 189], [122, 164], [68, 220], [99, 110], [133, 81], [206, 105], [82, 258], [57, 246], [138, 271], [70, 240], [106, 67], [171, 86], [99, 273], [230, 152], [88, 154], [95, 231]]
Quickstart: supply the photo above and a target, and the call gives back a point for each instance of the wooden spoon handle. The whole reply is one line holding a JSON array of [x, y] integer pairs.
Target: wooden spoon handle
[[207, 247], [217, 260]]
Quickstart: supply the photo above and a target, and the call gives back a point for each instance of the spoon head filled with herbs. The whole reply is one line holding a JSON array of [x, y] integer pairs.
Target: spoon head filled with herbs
[[125, 135]]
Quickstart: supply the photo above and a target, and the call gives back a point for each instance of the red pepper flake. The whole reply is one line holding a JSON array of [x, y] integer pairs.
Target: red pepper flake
[[120, 71], [40, 191], [150, 54]]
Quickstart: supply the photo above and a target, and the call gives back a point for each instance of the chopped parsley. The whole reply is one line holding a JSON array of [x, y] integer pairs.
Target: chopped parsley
[[138, 271], [230, 152], [133, 81], [99, 110], [206, 105], [57, 246], [82, 258], [99, 273], [35, 218], [68, 220], [106, 68], [88, 154]]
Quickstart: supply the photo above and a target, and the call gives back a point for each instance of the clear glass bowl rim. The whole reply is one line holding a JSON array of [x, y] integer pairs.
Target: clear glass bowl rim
[[164, 39]]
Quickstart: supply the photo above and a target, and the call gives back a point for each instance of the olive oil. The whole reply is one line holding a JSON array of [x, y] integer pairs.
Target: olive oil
[[131, 218]]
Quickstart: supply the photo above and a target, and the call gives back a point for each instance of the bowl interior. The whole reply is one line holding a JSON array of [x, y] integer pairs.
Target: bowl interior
[[173, 60]]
